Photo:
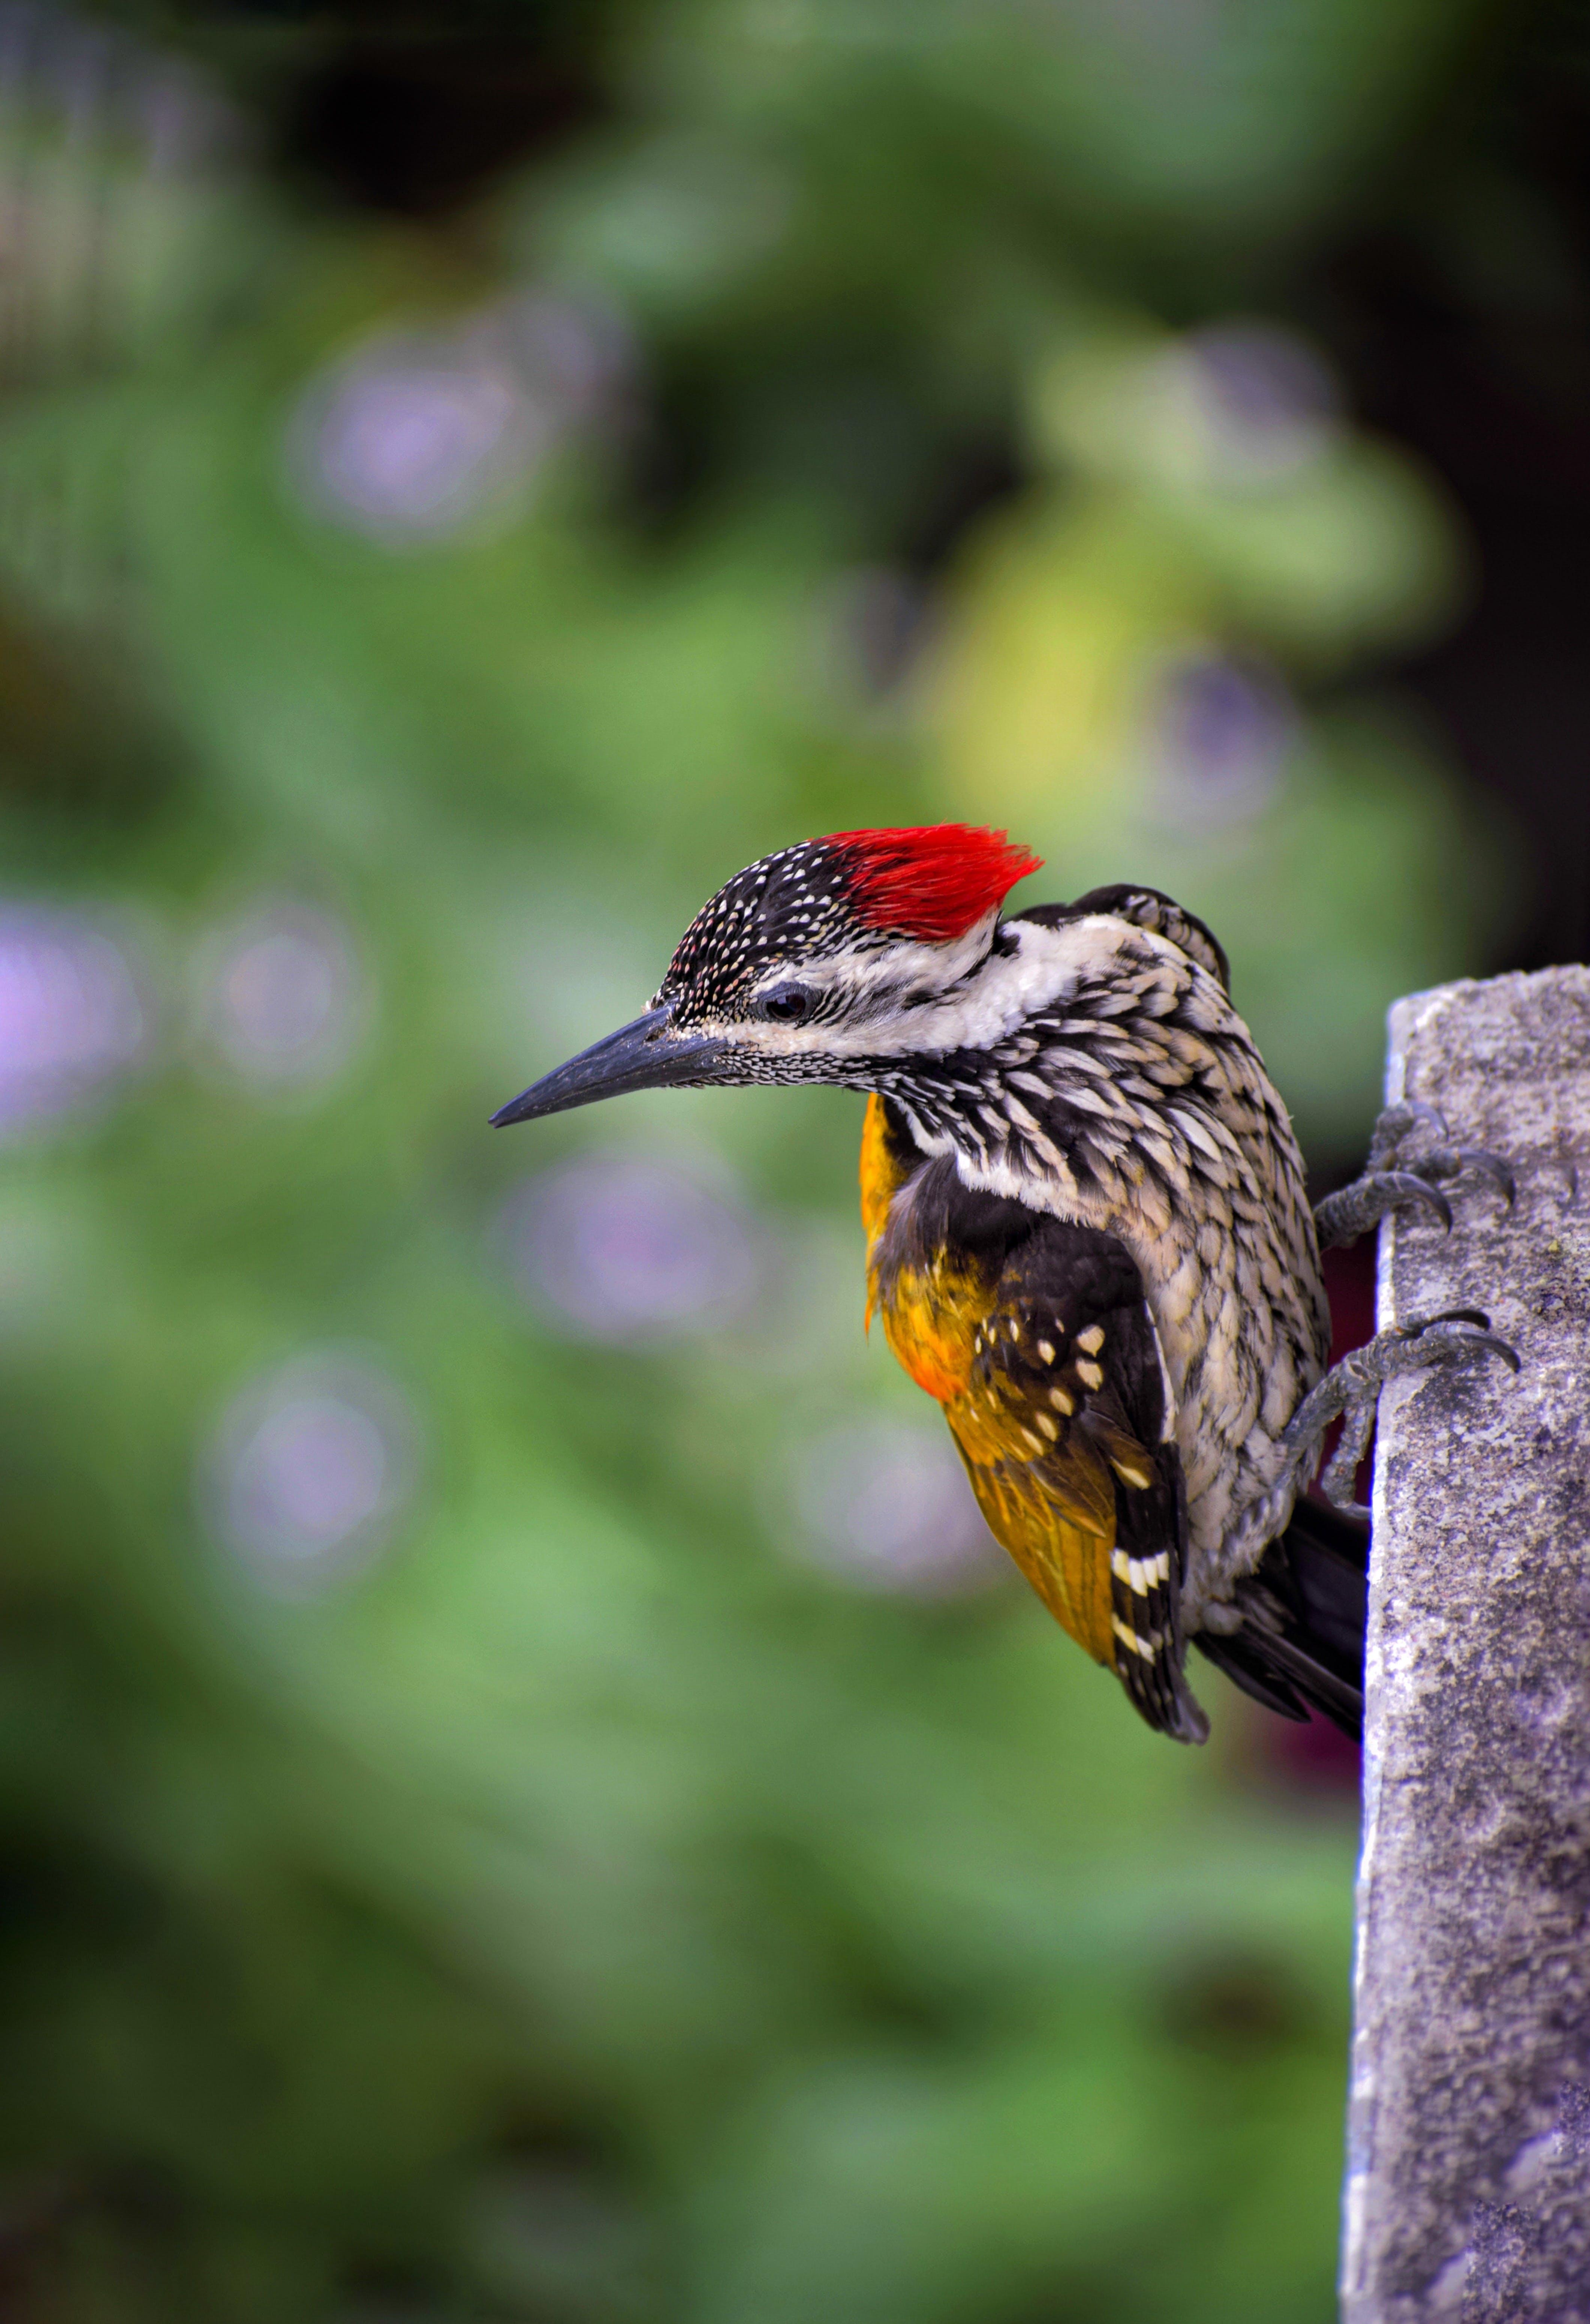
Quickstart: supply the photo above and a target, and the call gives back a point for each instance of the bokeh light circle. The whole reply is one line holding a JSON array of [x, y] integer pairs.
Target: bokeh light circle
[[621, 1248], [71, 1016], [886, 1506], [310, 1472], [280, 995], [418, 434]]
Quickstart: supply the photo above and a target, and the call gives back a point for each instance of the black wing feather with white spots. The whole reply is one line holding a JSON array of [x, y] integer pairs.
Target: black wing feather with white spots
[[1082, 1328]]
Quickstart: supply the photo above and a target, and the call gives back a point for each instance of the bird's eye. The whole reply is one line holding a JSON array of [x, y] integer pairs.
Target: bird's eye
[[786, 1004]]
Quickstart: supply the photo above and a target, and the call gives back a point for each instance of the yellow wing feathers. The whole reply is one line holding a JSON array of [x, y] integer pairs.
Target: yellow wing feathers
[[1028, 1401], [1043, 1485], [1033, 1334], [883, 1173]]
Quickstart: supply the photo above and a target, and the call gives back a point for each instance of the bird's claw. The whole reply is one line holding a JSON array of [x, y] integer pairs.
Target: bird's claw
[[1350, 1390], [1467, 1161], [1394, 1181], [1396, 1123], [1342, 1217], [1479, 1335]]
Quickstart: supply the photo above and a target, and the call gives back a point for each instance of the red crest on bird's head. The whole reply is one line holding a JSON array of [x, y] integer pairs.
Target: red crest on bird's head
[[934, 881], [855, 893]]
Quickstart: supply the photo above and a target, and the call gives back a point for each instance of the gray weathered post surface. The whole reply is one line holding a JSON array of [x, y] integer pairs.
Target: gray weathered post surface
[[1468, 2177]]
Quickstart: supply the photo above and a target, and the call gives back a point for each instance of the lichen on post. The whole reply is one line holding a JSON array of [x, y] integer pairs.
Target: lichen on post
[[1468, 2178]]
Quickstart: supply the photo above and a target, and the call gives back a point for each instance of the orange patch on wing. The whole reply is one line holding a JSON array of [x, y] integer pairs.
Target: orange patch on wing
[[1050, 1504], [931, 1322]]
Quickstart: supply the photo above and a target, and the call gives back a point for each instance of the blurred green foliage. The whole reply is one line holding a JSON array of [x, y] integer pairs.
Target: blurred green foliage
[[583, 1910]]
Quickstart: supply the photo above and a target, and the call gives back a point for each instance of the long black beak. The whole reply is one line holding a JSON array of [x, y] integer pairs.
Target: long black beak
[[642, 1055]]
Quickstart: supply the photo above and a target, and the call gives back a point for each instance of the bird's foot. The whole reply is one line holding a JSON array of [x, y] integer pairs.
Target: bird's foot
[[1410, 1158], [1350, 1390]]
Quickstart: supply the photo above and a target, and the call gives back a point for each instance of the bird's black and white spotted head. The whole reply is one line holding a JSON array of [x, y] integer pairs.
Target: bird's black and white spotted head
[[813, 965], [843, 934]]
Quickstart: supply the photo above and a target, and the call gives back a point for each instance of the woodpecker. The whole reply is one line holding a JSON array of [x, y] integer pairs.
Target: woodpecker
[[1088, 1235]]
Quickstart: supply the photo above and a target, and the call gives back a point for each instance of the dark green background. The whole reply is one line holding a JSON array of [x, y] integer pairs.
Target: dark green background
[[588, 1911]]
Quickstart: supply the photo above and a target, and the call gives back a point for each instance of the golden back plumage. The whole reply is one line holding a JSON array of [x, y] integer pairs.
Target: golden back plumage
[[1045, 1489]]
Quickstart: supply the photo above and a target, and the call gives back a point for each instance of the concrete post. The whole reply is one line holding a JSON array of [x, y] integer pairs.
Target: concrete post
[[1468, 2176]]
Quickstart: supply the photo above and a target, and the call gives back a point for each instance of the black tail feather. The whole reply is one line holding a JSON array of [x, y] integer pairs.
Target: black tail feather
[[1301, 1644]]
